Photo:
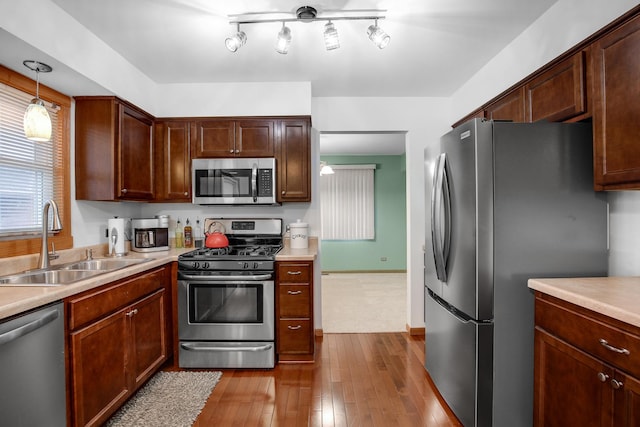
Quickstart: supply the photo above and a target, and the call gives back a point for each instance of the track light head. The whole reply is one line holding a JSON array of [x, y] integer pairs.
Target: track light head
[[331, 40], [236, 41], [284, 40], [378, 36]]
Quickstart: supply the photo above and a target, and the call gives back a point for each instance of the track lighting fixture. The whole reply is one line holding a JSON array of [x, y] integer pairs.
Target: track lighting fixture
[[378, 36], [284, 40], [308, 14], [236, 41], [37, 123]]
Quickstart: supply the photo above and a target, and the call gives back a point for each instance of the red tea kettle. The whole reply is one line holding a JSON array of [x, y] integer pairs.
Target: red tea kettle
[[215, 239]]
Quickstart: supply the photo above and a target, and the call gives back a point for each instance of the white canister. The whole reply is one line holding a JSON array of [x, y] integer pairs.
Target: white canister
[[299, 232]]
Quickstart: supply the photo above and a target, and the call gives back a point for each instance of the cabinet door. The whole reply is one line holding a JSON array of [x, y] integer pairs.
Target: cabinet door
[[173, 178], [571, 387], [510, 107], [627, 403], [295, 337], [213, 138], [616, 115], [136, 174], [559, 93], [255, 138], [98, 361], [148, 336], [293, 161]]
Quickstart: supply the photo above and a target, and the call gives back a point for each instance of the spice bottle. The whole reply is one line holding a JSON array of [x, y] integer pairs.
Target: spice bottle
[[179, 235], [198, 236], [188, 235]]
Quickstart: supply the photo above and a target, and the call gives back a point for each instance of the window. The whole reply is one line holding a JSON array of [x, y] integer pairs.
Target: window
[[347, 203], [31, 172]]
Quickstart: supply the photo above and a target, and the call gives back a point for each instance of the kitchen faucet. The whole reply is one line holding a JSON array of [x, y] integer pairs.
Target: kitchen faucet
[[43, 262]]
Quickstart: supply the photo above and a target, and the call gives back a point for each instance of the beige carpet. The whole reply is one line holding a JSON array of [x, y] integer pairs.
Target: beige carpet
[[169, 399], [364, 302]]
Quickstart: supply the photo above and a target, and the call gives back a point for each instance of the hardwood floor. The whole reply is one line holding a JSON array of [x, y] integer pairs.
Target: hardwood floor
[[357, 380]]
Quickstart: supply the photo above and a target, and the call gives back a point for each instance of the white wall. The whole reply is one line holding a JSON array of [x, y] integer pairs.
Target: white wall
[[563, 26], [424, 120]]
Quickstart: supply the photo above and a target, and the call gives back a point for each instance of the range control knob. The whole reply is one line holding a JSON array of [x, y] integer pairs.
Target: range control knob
[[196, 265], [255, 265], [245, 265], [205, 265]]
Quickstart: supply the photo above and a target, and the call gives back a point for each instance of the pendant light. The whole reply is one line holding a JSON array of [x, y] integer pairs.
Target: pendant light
[[37, 123]]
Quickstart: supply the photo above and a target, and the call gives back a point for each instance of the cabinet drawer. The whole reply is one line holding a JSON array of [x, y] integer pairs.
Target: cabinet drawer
[[295, 301], [294, 272], [295, 336], [94, 304], [606, 342]]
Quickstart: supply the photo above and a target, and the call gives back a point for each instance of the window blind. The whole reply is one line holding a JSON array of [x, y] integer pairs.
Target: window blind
[[347, 203], [30, 172]]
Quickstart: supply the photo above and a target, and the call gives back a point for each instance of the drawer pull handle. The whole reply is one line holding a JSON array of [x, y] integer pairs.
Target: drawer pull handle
[[608, 346], [616, 384], [294, 292], [294, 328], [603, 377], [294, 273]]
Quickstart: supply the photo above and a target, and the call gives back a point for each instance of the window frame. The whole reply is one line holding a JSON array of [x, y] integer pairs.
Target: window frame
[[15, 246]]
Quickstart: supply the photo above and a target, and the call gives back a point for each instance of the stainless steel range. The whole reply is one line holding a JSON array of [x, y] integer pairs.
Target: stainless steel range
[[226, 297]]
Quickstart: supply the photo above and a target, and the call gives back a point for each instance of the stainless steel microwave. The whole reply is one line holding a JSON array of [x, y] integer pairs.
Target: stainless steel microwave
[[234, 181]]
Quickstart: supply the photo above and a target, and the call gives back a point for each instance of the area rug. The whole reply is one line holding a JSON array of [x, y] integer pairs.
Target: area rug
[[168, 399]]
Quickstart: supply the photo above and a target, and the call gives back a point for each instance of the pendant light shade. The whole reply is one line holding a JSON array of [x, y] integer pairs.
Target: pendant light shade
[[331, 40], [37, 123], [284, 40]]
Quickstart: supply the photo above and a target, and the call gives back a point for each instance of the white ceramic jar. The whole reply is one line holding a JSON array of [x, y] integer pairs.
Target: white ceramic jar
[[299, 232]]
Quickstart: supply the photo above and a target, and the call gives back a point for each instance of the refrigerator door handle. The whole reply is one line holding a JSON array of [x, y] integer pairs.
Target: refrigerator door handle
[[441, 201]]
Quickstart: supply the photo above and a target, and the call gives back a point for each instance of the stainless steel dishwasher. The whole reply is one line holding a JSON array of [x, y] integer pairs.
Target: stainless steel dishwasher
[[32, 372]]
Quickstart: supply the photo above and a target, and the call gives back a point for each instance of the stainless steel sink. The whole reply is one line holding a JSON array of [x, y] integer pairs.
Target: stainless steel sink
[[49, 277], [105, 264], [65, 274]]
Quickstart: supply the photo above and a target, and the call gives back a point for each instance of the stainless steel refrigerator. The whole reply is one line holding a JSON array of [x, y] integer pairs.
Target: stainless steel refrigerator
[[505, 202]]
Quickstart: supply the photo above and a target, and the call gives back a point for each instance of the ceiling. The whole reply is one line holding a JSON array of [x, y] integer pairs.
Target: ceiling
[[436, 45]]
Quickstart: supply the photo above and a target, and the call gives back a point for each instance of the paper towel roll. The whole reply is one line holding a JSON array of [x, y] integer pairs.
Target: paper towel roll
[[117, 238]]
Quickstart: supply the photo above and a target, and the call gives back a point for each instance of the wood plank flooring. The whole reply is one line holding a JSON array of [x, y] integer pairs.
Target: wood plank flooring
[[357, 380]]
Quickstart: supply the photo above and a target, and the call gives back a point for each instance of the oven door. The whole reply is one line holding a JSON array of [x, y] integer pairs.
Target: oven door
[[226, 310]]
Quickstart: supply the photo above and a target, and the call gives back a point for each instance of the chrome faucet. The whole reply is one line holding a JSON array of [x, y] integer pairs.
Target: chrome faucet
[[43, 262]]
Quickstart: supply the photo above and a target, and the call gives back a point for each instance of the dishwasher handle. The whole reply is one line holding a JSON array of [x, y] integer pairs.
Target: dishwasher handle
[[23, 330]]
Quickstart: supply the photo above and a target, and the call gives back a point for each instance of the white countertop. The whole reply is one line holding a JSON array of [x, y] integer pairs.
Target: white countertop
[[615, 297]]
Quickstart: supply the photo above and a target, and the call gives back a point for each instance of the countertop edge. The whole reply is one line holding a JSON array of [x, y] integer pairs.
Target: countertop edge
[[615, 297]]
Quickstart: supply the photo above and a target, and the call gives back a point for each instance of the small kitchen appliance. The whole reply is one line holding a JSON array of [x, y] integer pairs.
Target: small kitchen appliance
[[149, 235], [234, 181], [226, 297]]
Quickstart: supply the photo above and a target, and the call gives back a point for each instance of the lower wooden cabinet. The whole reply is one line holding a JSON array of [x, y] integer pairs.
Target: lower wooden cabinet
[[579, 381], [118, 340], [294, 315]]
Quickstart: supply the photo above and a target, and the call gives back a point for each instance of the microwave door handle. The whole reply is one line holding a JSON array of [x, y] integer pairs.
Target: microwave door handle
[[254, 182]]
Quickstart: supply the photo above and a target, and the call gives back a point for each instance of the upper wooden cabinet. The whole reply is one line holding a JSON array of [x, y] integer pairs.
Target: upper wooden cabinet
[[114, 150], [173, 157], [616, 115], [559, 93], [509, 107], [226, 137], [293, 160]]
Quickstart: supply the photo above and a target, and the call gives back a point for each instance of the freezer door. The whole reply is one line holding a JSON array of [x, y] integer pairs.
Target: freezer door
[[459, 359]]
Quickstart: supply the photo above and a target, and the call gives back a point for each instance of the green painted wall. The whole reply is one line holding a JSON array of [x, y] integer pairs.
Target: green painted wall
[[390, 221]]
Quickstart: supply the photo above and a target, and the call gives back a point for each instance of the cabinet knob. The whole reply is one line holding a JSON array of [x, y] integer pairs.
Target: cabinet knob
[[283, 192], [237, 151], [231, 151], [603, 377], [186, 193], [616, 384], [124, 191], [132, 312]]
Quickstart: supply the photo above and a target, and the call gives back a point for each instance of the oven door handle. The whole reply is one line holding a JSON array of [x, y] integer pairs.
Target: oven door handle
[[205, 347], [213, 278]]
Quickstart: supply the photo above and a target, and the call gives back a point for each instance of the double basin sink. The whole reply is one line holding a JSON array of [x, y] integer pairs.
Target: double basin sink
[[68, 273]]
